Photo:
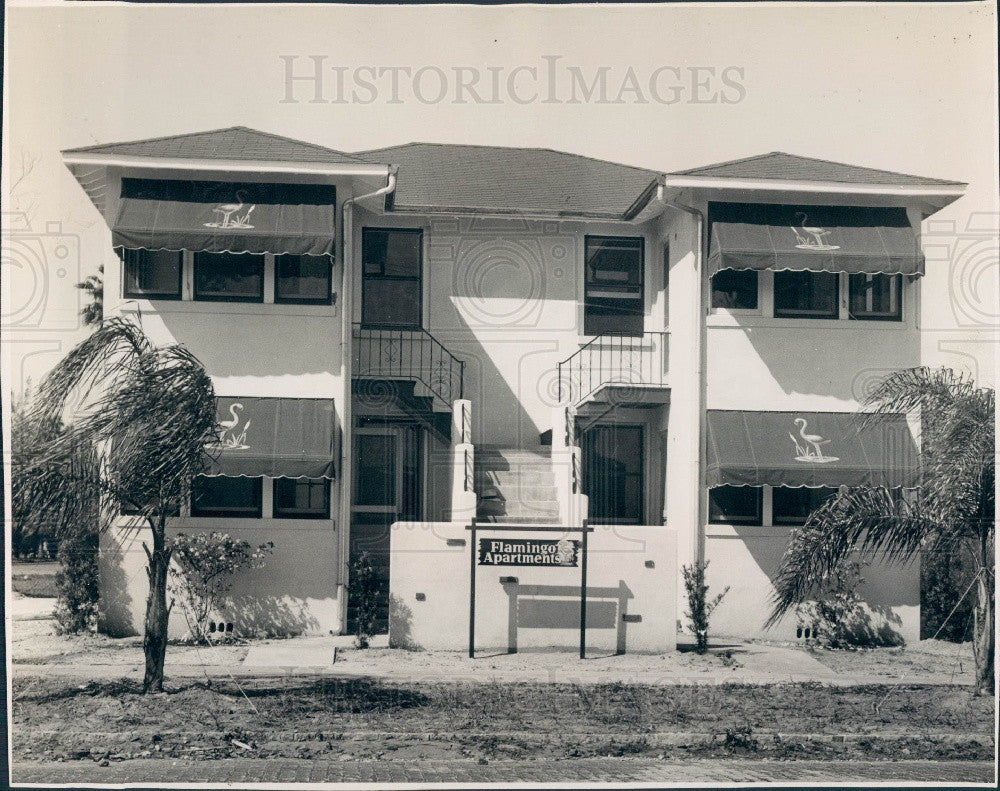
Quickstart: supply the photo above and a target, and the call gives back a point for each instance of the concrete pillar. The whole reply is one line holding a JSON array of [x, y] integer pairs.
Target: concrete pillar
[[463, 463]]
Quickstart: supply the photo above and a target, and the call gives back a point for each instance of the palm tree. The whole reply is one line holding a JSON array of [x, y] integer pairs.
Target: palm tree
[[954, 506], [143, 414], [93, 312]]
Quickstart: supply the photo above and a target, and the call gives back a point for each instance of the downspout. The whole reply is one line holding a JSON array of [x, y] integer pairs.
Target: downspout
[[699, 372], [347, 359]]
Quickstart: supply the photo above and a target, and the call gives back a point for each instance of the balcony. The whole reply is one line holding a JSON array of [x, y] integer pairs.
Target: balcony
[[617, 369]]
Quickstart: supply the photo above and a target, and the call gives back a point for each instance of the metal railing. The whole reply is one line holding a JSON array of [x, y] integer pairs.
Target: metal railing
[[408, 354], [620, 360]]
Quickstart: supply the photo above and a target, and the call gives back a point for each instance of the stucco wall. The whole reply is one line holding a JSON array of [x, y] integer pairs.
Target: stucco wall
[[631, 570]]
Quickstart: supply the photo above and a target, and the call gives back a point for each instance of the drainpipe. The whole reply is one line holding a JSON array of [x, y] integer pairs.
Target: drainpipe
[[346, 357], [699, 372]]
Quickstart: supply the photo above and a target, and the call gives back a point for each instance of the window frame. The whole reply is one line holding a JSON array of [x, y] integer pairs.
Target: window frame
[[278, 513], [280, 300], [832, 315], [642, 284], [756, 521], [126, 294], [257, 299], [224, 514], [371, 229], [758, 297], [897, 316], [788, 521]]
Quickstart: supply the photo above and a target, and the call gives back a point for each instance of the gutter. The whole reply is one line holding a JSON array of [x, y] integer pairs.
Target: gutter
[[346, 358], [233, 165]]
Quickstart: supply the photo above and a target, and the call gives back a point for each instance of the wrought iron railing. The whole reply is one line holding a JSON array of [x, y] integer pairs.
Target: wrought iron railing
[[614, 360], [408, 354]]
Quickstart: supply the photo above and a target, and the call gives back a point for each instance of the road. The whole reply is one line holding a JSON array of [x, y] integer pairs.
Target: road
[[635, 770]]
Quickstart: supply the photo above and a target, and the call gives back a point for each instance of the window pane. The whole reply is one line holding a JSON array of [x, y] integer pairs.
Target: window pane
[[875, 297], [152, 273], [811, 295], [395, 302], [613, 302], [224, 496], [376, 470], [236, 276], [302, 278], [395, 253], [302, 498], [733, 288], [738, 505], [791, 506]]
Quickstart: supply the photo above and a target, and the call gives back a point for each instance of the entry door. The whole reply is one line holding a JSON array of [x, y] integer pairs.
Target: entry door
[[613, 473], [377, 472]]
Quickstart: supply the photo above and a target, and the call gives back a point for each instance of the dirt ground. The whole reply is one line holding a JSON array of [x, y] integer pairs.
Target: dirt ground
[[928, 657], [363, 718]]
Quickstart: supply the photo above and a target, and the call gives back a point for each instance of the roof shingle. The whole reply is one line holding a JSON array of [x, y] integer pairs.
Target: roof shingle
[[235, 143], [789, 167]]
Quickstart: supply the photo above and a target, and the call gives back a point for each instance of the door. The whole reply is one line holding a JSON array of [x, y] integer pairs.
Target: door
[[613, 474], [386, 489]]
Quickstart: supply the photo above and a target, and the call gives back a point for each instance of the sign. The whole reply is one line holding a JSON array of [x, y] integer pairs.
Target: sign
[[528, 552]]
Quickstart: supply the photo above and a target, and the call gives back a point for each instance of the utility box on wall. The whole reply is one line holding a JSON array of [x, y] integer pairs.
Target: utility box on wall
[[530, 599]]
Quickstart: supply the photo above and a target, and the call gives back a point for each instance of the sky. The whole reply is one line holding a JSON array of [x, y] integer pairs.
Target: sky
[[904, 87]]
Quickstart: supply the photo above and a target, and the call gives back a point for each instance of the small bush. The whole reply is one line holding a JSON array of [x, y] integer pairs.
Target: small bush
[[945, 574], [364, 593], [699, 606], [77, 585], [204, 570]]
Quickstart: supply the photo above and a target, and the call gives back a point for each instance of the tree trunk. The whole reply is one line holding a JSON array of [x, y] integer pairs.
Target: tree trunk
[[983, 638], [154, 642]]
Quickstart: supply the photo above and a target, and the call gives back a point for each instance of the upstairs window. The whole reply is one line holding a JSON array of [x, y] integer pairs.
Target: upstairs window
[[222, 496], [391, 292], [301, 498], [613, 293], [302, 279], [735, 289], [229, 277], [806, 295], [736, 505], [876, 297], [792, 506], [152, 274]]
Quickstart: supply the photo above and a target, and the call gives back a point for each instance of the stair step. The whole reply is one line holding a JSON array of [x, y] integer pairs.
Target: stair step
[[524, 493], [514, 479], [507, 519]]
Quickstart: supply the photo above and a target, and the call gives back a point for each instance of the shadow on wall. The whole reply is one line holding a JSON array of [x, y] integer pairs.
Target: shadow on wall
[[116, 603], [401, 625], [268, 616]]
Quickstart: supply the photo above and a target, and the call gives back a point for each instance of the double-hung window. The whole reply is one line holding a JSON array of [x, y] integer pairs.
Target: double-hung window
[[806, 295], [302, 279], [735, 289], [223, 496], [736, 505], [229, 277], [876, 297], [792, 505], [613, 289], [391, 292], [301, 498], [152, 274]]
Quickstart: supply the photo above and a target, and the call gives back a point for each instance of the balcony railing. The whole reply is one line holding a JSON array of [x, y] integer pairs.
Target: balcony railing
[[413, 355], [614, 361]]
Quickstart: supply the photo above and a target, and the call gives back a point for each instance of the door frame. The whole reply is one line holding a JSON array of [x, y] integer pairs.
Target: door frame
[[380, 430], [643, 471]]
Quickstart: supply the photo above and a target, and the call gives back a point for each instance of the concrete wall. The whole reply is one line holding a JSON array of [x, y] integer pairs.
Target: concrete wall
[[631, 571]]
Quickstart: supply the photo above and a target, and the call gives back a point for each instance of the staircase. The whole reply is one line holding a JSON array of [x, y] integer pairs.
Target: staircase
[[515, 486]]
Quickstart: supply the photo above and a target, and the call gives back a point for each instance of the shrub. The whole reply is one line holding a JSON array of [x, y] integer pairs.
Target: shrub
[[364, 592], [700, 608], [945, 575], [204, 570], [77, 585]]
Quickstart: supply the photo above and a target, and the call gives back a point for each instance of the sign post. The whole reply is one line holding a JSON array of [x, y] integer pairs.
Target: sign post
[[558, 552]]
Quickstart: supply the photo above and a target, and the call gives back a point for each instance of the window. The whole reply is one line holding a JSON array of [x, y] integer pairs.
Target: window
[[392, 261], [736, 505], [806, 295], [302, 279], [735, 289], [613, 297], [301, 498], [792, 506], [229, 277], [224, 496], [152, 274], [876, 297]]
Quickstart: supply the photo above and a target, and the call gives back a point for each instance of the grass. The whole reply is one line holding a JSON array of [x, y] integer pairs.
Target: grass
[[368, 718]]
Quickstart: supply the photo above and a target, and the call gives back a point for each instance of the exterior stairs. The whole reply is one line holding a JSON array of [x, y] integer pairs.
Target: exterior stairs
[[515, 486]]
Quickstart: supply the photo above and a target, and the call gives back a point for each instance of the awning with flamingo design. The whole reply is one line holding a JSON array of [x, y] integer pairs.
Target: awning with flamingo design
[[853, 239], [276, 437], [809, 449], [218, 217]]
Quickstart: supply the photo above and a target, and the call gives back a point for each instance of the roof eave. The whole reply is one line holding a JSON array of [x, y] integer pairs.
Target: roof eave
[[230, 165], [948, 189], [482, 211]]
